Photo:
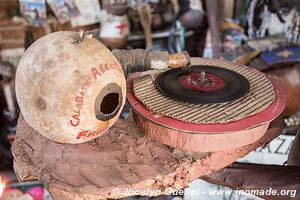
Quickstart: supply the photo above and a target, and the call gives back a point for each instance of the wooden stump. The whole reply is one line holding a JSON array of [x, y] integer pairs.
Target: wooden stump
[[121, 159]]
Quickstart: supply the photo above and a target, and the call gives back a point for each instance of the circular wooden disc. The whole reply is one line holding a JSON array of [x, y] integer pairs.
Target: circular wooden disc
[[259, 97], [205, 142], [209, 137], [267, 115]]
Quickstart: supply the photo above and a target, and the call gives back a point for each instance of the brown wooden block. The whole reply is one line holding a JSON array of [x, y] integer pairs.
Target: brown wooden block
[[123, 158]]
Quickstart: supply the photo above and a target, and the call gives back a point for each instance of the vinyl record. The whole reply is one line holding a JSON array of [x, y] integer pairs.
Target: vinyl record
[[203, 84]]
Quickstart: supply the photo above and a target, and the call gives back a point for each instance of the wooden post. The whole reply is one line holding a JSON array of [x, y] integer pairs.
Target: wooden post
[[212, 9]]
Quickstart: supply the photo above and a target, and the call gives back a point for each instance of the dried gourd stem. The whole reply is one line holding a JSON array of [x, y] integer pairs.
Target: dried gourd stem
[[141, 60], [78, 38]]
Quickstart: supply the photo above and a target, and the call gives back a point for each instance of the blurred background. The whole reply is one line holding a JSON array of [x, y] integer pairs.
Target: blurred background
[[263, 34]]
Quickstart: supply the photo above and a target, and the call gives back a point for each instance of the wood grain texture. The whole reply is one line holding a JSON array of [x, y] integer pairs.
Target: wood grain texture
[[123, 158]]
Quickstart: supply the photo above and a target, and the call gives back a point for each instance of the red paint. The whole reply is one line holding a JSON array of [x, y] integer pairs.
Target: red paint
[[77, 120], [78, 102], [81, 134], [79, 99], [121, 27], [103, 68], [88, 134], [192, 82], [95, 73]]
